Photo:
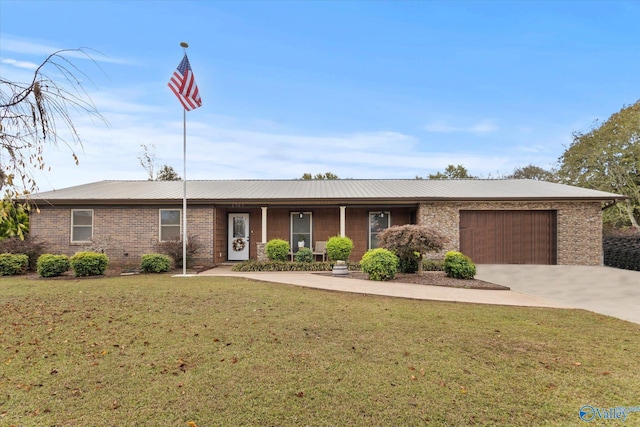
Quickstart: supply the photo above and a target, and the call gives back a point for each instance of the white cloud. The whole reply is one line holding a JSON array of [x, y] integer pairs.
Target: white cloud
[[22, 46], [441, 126], [20, 64], [236, 153]]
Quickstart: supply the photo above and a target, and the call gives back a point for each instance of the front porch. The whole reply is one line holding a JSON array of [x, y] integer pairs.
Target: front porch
[[241, 232]]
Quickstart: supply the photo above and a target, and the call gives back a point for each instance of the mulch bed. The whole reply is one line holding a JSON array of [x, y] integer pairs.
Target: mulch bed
[[432, 278]]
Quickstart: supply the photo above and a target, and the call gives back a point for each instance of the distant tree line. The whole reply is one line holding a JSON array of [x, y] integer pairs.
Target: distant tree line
[[606, 158]]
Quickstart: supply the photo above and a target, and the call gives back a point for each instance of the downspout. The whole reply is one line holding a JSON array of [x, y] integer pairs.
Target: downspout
[[609, 205]]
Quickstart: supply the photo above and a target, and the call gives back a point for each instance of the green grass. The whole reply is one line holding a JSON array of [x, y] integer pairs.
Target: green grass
[[161, 351]]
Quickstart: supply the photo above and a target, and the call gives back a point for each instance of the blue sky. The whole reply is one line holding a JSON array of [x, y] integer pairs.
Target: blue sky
[[362, 89]]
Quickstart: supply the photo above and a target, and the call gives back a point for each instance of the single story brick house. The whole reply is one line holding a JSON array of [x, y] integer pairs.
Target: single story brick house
[[492, 221]]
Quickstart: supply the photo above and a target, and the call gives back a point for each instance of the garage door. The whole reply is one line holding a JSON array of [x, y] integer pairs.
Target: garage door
[[509, 237]]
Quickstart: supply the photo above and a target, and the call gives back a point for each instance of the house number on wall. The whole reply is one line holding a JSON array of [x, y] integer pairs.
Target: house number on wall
[[237, 205]]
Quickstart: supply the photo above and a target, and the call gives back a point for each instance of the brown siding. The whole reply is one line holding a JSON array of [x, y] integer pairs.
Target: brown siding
[[357, 226], [220, 236], [326, 224]]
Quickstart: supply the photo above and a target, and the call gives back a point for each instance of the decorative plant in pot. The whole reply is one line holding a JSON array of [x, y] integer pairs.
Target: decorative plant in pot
[[338, 250], [300, 241]]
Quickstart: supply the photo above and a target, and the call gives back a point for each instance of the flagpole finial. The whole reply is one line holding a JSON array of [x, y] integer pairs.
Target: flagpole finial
[[184, 44]]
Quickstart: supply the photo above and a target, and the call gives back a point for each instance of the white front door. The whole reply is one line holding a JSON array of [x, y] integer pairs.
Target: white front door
[[238, 237]]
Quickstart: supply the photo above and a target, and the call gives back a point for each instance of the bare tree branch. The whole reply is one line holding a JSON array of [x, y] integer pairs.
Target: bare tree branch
[[38, 113]]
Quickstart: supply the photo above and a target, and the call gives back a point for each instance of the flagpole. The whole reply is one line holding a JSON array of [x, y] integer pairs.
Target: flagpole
[[184, 192], [182, 84]]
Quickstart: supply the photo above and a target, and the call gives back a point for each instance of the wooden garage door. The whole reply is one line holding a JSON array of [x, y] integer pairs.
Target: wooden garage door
[[509, 237]]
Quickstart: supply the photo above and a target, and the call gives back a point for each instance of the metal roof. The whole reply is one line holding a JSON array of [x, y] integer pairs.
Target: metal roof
[[318, 191]]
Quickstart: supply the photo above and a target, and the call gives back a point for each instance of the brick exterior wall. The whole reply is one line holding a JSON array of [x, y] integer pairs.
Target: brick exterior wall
[[125, 233], [579, 225], [128, 232]]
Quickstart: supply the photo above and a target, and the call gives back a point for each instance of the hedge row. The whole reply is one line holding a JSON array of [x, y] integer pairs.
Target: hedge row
[[248, 266], [622, 252], [82, 264]]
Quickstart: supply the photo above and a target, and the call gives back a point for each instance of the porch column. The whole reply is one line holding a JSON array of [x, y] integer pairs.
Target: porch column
[[343, 221], [264, 224], [261, 253]]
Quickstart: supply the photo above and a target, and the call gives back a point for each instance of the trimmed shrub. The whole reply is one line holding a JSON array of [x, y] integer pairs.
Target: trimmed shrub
[[458, 265], [253, 265], [277, 249], [408, 264], [89, 263], [31, 246], [13, 264], [432, 265], [155, 263], [53, 265], [304, 255], [380, 264], [173, 248], [339, 248]]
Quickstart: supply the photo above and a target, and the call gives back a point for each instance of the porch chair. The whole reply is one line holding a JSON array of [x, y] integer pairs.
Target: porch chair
[[320, 249]]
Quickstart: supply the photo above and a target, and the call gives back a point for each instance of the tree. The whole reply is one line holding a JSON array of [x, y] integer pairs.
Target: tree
[[532, 172], [14, 219], [327, 175], [167, 173], [148, 160], [411, 242], [36, 113], [452, 172], [607, 158], [149, 163]]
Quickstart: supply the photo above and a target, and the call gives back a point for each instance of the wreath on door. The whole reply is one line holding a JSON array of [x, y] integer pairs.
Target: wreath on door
[[238, 245]]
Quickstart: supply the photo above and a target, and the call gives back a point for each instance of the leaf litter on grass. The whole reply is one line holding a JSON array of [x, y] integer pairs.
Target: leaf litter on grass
[[154, 350]]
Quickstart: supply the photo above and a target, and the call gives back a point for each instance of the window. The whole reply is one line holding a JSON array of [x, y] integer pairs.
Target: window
[[378, 222], [300, 230], [170, 224], [81, 225]]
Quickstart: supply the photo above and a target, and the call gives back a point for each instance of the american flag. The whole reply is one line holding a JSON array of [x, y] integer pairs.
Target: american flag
[[183, 84]]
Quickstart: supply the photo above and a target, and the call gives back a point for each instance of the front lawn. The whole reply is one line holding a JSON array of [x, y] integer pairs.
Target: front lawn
[[208, 351]]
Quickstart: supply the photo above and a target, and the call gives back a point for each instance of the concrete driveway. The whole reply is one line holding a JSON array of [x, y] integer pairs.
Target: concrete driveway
[[603, 290]]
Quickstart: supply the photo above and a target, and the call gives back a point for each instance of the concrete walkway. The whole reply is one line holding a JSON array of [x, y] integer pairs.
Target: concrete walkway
[[402, 290]]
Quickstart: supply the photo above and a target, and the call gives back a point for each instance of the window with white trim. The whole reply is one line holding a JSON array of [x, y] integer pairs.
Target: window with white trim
[[378, 222], [81, 225], [300, 231], [170, 224]]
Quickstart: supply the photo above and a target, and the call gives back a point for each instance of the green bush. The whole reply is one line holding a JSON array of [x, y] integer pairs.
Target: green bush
[[53, 265], [432, 265], [339, 248], [277, 249], [253, 265], [89, 264], [380, 264], [458, 265], [13, 264], [31, 246], [408, 263], [304, 255], [155, 263]]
